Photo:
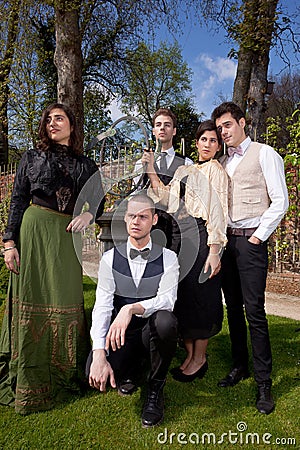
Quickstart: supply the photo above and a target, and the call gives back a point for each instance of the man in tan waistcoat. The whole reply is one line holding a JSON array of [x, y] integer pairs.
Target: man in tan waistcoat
[[257, 201]]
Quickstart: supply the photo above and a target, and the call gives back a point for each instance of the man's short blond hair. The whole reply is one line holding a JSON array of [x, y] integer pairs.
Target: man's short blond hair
[[142, 197]]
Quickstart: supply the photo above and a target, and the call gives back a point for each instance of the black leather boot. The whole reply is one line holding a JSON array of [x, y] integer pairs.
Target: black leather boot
[[153, 410], [264, 401]]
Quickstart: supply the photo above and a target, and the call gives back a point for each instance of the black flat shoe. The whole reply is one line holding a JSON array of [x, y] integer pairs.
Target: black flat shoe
[[175, 371], [126, 387], [235, 376], [188, 378]]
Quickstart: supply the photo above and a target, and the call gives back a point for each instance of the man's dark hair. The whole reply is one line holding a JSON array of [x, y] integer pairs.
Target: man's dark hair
[[228, 107], [165, 112]]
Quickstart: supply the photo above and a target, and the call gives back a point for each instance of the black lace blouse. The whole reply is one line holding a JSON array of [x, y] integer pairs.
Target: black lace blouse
[[56, 179]]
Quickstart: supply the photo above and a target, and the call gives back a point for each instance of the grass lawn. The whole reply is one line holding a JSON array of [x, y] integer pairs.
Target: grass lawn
[[228, 416]]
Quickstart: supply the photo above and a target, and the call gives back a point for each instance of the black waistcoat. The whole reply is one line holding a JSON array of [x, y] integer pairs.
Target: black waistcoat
[[126, 291], [178, 161]]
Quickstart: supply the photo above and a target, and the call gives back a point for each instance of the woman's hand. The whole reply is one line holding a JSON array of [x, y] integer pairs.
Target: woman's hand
[[11, 257], [213, 262], [80, 223]]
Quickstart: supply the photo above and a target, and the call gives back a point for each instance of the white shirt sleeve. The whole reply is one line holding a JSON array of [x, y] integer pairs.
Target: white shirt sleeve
[[273, 169], [101, 315], [188, 161]]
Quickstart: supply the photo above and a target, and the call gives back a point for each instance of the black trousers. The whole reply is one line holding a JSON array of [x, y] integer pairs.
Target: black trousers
[[244, 274], [157, 341]]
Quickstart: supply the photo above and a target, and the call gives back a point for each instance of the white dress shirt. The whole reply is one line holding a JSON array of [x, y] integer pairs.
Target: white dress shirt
[[169, 159], [164, 299], [273, 170]]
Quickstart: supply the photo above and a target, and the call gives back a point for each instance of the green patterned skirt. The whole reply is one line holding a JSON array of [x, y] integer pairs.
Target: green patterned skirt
[[44, 339]]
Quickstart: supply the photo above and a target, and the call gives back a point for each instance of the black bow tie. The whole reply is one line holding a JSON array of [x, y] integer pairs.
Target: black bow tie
[[143, 253]]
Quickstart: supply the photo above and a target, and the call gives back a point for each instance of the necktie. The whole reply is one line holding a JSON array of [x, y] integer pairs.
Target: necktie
[[232, 150], [143, 253], [163, 163]]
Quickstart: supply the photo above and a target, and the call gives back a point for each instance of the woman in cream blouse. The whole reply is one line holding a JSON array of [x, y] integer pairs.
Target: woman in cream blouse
[[197, 197]]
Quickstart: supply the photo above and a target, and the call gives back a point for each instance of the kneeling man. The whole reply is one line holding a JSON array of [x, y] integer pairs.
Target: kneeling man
[[132, 317]]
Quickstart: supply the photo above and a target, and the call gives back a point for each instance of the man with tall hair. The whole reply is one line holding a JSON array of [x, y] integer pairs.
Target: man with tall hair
[[258, 200], [164, 123], [132, 317]]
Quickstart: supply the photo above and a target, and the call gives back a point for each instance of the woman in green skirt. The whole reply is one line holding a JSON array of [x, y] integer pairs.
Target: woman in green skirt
[[44, 340]]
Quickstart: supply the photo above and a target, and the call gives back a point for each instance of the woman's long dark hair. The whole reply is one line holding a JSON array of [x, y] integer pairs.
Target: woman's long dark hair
[[45, 142]]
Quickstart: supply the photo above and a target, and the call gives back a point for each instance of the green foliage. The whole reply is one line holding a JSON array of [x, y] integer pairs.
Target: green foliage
[[108, 421], [187, 124], [155, 78], [4, 209], [292, 163], [96, 117], [4, 273], [250, 22], [43, 29], [285, 248], [32, 80]]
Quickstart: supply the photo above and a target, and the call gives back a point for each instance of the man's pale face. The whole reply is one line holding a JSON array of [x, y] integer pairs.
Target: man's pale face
[[232, 132], [164, 130], [139, 220]]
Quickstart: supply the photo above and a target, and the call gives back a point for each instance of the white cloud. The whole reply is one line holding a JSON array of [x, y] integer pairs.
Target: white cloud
[[222, 68], [213, 76], [114, 108]]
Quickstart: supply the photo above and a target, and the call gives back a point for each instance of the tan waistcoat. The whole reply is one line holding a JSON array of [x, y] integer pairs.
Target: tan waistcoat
[[247, 190]]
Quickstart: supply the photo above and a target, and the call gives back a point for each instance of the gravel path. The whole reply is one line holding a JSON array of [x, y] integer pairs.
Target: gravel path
[[283, 305]]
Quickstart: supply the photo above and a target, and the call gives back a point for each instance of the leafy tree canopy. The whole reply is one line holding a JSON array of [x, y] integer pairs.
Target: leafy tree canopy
[[155, 78]]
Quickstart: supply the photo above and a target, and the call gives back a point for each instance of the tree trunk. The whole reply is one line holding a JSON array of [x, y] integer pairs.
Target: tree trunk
[[260, 65], [243, 77], [68, 60], [256, 97], [5, 68], [255, 36]]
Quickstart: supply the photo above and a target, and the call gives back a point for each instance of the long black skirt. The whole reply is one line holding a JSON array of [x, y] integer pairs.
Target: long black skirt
[[199, 307]]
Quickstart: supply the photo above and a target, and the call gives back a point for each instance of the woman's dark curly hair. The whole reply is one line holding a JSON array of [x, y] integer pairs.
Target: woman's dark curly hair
[[45, 142]]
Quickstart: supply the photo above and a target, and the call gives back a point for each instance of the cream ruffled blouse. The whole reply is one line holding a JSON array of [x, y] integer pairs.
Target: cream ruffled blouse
[[206, 196]]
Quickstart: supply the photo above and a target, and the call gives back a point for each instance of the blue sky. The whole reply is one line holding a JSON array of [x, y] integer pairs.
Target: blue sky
[[205, 52], [213, 72]]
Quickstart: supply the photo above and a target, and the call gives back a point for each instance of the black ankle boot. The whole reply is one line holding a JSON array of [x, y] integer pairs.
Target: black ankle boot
[[153, 410], [264, 401]]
